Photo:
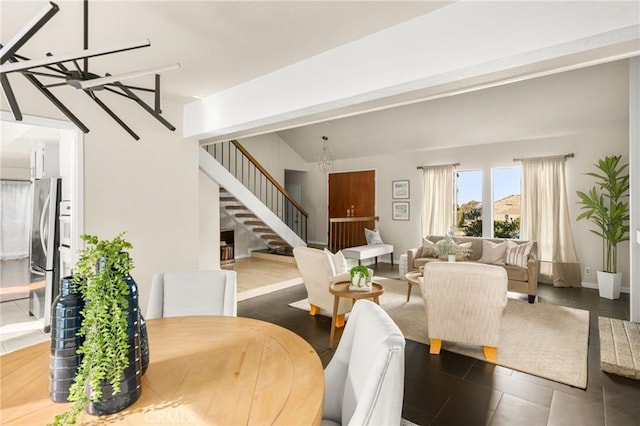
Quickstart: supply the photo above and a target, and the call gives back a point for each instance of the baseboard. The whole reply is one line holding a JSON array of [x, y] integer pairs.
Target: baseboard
[[594, 286]]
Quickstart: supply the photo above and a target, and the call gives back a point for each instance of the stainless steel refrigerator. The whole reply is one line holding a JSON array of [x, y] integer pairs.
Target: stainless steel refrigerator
[[44, 255]]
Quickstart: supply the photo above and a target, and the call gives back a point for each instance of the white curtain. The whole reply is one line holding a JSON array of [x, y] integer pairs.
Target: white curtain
[[545, 219], [15, 215], [438, 199]]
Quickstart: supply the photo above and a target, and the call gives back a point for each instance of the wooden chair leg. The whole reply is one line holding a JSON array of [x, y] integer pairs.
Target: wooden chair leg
[[434, 346], [490, 354], [315, 310], [340, 321]]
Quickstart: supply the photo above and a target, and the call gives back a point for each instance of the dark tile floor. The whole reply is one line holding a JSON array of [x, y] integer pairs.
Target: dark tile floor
[[451, 389]]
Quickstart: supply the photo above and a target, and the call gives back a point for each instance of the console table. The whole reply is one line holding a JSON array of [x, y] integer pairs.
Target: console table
[[203, 370]]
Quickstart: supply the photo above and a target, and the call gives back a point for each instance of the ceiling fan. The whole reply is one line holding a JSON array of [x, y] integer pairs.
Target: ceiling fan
[[65, 70]]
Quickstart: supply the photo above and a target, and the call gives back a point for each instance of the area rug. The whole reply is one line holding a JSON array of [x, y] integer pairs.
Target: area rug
[[545, 340]]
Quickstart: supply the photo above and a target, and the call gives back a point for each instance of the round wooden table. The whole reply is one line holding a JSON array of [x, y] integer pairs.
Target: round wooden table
[[412, 279], [203, 370], [341, 289]]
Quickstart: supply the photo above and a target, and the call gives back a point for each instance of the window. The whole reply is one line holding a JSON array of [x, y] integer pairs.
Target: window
[[469, 203], [506, 202]]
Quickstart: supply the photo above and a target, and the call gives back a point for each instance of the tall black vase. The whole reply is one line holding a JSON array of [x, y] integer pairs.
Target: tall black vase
[[65, 324], [130, 384]]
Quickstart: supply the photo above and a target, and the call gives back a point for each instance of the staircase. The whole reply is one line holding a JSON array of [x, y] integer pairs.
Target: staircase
[[243, 216], [253, 198]]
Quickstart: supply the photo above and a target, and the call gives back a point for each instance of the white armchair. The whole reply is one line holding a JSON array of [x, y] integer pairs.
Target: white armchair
[[186, 293], [464, 302], [364, 381], [318, 273]]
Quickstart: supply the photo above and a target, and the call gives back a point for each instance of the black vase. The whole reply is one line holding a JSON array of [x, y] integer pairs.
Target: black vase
[[130, 384], [65, 324]]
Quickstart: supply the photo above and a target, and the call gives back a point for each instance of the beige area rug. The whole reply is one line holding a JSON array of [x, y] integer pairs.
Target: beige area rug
[[545, 340]]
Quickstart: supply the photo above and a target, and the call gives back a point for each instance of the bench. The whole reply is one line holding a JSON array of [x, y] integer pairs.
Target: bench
[[366, 252]]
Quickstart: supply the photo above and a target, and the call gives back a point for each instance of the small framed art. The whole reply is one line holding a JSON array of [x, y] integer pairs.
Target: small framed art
[[401, 189], [400, 210]]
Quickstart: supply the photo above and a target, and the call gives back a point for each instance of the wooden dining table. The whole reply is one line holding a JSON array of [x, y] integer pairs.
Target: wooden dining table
[[203, 370]]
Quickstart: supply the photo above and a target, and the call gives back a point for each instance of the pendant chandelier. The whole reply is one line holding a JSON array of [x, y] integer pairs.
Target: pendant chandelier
[[325, 162], [65, 70]]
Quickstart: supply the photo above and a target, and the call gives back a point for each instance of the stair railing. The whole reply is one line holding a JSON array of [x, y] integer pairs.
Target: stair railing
[[241, 164]]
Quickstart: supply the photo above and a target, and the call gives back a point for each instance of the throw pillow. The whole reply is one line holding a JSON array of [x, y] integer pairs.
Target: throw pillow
[[372, 236], [427, 248], [339, 261], [493, 252], [518, 254]]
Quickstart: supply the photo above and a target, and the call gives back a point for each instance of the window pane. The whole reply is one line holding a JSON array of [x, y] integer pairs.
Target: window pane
[[469, 203], [506, 202]]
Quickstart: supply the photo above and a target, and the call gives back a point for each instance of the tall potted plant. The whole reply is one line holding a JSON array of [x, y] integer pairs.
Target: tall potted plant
[[606, 207]]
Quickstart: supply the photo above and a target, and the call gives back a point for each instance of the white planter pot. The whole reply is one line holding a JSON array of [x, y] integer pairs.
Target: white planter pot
[[609, 284], [361, 283], [452, 257]]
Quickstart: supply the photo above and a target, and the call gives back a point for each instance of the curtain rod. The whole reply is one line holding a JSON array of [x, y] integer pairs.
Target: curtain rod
[[438, 165], [570, 155]]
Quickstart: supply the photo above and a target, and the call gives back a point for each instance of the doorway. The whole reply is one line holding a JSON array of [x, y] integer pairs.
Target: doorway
[[353, 195]]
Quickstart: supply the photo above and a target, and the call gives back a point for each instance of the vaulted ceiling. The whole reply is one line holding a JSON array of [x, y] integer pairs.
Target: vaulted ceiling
[[221, 44]]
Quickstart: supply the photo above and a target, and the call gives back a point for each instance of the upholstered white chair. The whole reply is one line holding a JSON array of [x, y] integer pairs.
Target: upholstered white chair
[[464, 302], [318, 273], [364, 381], [187, 293]]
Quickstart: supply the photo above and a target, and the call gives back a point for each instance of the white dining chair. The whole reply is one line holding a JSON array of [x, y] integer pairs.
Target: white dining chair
[[187, 293], [364, 381]]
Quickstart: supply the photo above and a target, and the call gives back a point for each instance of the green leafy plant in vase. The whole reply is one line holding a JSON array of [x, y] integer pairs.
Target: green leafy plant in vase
[[101, 276], [606, 206], [360, 278]]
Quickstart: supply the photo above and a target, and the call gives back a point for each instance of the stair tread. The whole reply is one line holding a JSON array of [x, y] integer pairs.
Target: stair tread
[[263, 230], [245, 215], [228, 199], [254, 223], [236, 208]]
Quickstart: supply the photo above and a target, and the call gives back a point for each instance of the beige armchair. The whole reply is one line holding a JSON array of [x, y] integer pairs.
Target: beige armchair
[[464, 303], [318, 273]]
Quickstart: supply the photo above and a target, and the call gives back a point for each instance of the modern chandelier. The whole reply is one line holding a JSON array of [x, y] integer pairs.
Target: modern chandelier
[[65, 70], [325, 162]]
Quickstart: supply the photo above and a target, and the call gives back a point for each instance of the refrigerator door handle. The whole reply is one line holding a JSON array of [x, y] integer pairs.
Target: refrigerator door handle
[[36, 271], [43, 218]]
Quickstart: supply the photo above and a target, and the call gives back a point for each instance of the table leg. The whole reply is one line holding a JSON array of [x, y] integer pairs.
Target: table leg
[[336, 299], [409, 285], [376, 299]]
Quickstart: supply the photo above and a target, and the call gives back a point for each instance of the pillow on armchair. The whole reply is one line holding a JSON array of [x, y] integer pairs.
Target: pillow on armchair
[[339, 261]]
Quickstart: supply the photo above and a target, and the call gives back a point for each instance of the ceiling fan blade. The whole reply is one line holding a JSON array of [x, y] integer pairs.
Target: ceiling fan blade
[[27, 31], [99, 82], [88, 53]]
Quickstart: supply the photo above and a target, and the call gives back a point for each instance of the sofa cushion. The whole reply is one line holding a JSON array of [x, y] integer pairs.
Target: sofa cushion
[[493, 253], [427, 248], [518, 254]]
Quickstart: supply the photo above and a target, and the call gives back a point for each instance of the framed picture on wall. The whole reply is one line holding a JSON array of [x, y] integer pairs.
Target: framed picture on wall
[[400, 189], [400, 210]]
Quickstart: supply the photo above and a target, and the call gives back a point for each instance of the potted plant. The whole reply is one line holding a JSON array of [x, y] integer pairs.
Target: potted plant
[[446, 247], [360, 278], [101, 276], [606, 207]]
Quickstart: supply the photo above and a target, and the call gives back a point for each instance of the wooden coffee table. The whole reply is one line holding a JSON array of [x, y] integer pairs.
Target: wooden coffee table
[[341, 289], [412, 278]]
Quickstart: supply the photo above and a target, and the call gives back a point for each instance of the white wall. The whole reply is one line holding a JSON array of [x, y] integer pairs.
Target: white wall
[[209, 223], [148, 188], [15, 166]]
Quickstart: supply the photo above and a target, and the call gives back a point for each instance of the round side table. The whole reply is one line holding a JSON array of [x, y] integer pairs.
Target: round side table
[[341, 289], [412, 279]]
